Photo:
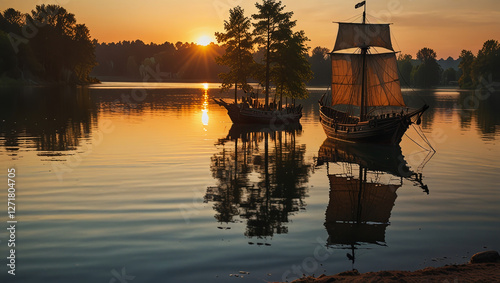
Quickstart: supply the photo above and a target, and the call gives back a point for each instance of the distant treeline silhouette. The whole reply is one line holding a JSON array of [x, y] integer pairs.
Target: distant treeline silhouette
[[136, 60], [44, 46], [188, 61], [468, 71], [483, 69]]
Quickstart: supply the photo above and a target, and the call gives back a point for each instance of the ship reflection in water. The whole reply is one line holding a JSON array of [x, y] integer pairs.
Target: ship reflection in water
[[261, 179], [363, 184]]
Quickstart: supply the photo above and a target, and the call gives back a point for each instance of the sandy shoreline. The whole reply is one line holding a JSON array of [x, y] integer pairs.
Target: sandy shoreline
[[483, 267], [471, 272]]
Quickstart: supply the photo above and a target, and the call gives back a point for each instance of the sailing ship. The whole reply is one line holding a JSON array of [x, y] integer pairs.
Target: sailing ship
[[366, 102], [362, 191]]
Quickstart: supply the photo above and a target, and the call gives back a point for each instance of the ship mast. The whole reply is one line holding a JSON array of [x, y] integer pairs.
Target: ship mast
[[364, 50]]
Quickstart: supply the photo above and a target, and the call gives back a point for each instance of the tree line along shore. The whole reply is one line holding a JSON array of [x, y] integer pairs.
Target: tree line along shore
[[48, 45]]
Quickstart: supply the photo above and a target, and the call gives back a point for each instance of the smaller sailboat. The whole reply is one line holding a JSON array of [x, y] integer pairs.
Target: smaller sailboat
[[249, 112], [366, 102]]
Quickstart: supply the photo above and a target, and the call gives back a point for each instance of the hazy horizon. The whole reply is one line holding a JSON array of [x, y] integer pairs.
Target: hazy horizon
[[447, 27]]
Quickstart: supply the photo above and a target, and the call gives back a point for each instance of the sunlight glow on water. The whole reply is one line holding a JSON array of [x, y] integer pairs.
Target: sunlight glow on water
[[153, 187], [204, 107]]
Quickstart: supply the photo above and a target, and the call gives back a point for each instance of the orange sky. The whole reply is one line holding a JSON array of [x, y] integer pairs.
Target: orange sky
[[447, 26]]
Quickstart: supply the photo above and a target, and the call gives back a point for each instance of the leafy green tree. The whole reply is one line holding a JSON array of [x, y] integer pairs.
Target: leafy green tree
[[16, 57], [320, 66], [272, 29], [449, 75], [238, 55], [292, 70], [52, 41], [85, 50], [487, 63], [45, 44], [8, 59], [466, 61], [426, 55], [63, 47], [405, 67], [428, 73], [11, 20]]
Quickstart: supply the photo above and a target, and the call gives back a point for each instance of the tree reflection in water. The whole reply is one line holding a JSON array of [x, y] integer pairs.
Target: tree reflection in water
[[261, 178], [51, 120]]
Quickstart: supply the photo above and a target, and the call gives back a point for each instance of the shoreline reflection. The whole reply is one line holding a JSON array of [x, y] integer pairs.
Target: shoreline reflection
[[51, 120]]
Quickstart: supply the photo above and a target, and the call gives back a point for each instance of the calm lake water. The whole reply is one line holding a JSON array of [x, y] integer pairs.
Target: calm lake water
[[151, 183]]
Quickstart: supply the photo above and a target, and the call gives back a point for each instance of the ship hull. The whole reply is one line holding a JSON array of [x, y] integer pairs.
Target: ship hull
[[388, 130], [242, 114]]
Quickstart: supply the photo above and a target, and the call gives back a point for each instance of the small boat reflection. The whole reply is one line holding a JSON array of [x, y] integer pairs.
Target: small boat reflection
[[261, 178], [363, 184]]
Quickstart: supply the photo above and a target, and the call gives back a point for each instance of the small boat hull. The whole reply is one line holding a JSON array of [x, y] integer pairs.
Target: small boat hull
[[242, 114], [388, 130]]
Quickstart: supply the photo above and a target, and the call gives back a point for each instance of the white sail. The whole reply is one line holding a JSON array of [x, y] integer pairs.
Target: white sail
[[382, 80], [354, 35]]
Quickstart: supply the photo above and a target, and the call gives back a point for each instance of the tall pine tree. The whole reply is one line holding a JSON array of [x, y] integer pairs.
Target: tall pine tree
[[272, 29], [238, 56], [285, 51]]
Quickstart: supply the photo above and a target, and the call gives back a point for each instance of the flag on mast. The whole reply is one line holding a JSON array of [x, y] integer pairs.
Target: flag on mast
[[360, 4]]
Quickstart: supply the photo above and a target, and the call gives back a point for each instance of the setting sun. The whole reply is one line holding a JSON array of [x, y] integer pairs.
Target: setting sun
[[204, 40]]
